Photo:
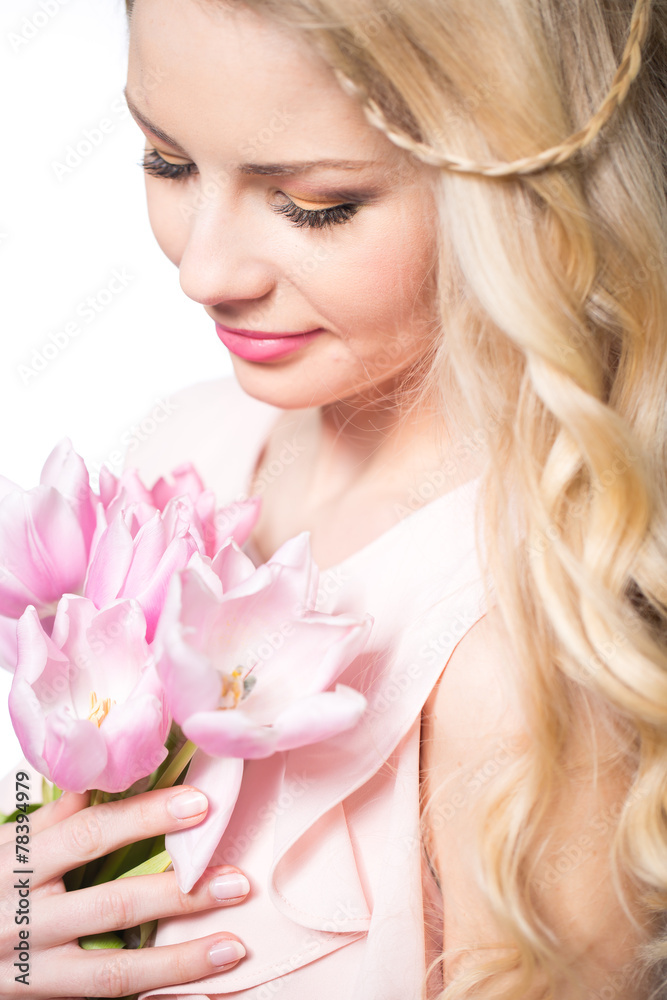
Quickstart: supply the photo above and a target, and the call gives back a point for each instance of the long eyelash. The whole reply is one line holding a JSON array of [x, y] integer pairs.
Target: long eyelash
[[155, 165], [316, 218]]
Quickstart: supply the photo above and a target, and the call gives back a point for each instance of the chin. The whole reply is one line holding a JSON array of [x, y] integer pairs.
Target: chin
[[281, 384], [301, 387]]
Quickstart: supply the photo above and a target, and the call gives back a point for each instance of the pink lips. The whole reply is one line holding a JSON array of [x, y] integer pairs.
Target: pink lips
[[254, 345]]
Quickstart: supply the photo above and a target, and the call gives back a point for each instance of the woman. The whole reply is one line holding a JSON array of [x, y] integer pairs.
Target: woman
[[451, 218]]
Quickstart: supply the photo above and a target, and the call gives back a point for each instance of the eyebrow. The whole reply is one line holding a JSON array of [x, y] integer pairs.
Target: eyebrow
[[261, 169]]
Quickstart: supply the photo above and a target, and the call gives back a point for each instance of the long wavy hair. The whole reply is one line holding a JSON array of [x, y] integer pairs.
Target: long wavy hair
[[548, 121]]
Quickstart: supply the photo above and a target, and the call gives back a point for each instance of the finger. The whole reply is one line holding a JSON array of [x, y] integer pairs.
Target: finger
[[123, 973], [47, 815], [53, 812], [93, 832], [131, 901]]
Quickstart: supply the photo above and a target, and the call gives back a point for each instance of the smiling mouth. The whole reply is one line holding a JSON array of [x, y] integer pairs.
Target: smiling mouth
[[263, 335]]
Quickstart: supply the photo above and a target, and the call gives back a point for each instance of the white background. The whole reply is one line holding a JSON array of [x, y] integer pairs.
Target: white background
[[62, 70]]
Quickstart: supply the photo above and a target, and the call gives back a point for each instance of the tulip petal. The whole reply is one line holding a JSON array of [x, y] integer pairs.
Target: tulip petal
[[247, 515], [148, 548], [152, 597], [108, 486], [101, 526], [133, 486], [353, 635], [112, 653], [191, 850], [193, 600], [24, 707], [284, 587], [41, 540], [295, 555], [232, 566], [230, 733], [15, 596], [186, 482], [29, 724], [318, 717], [66, 471], [262, 602], [200, 575], [133, 733], [301, 657], [118, 494], [110, 564], [75, 750], [40, 663], [7, 486], [73, 616], [236, 521], [190, 682]]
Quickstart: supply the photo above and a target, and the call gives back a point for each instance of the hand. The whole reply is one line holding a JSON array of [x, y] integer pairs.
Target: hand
[[65, 835]]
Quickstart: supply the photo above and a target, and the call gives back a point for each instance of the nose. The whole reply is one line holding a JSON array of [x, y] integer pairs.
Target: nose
[[223, 259]]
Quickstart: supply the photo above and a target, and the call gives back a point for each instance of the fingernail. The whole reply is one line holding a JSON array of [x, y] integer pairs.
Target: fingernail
[[229, 886], [225, 952], [187, 804]]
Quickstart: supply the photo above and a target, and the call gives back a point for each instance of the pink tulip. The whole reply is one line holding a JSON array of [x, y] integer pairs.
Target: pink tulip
[[210, 525], [46, 535], [246, 664], [136, 557], [85, 702]]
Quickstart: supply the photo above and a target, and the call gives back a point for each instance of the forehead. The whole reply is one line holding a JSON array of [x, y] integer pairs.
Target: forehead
[[223, 80]]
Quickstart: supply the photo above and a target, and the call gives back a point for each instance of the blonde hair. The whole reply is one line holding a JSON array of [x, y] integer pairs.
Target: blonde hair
[[548, 120]]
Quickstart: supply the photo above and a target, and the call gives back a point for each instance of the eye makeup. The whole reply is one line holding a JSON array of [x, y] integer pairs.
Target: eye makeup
[[312, 218]]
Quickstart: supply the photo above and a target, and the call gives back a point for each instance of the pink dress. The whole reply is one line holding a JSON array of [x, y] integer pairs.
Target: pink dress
[[328, 835]]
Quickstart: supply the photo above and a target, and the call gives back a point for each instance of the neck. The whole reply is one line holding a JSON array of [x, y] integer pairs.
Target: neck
[[373, 441]]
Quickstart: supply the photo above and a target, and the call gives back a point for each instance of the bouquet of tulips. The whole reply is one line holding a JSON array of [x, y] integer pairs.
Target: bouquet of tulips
[[139, 636]]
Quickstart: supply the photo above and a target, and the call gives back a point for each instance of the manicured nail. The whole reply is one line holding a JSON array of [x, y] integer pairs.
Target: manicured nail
[[225, 952], [187, 804], [229, 886]]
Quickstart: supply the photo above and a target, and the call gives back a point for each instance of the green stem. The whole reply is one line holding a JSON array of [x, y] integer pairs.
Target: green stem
[[113, 863], [177, 765]]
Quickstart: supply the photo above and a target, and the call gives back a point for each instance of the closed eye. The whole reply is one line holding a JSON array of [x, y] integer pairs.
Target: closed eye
[[319, 218], [316, 218], [157, 166]]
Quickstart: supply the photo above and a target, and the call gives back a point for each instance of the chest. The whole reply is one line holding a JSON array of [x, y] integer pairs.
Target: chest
[[339, 527]]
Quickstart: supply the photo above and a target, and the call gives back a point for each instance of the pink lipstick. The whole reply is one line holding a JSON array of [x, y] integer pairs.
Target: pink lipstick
[[254, 345]]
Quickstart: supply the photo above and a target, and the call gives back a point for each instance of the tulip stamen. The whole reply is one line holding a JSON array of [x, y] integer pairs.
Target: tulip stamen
[[234, 688], [99, 708]]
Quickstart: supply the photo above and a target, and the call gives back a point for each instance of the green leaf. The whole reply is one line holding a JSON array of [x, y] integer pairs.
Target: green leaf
[[146, 931], [13, 816], [98, 942], [153, 866], [111, 864]]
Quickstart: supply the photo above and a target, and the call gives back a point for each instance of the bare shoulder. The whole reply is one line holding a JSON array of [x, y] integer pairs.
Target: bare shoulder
[[477, 695], [203, 424], [166, 434], [473, 729]]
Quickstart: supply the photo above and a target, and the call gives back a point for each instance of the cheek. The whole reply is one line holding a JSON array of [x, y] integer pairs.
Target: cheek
[[167, 220], [389, 281], [403, 263]]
